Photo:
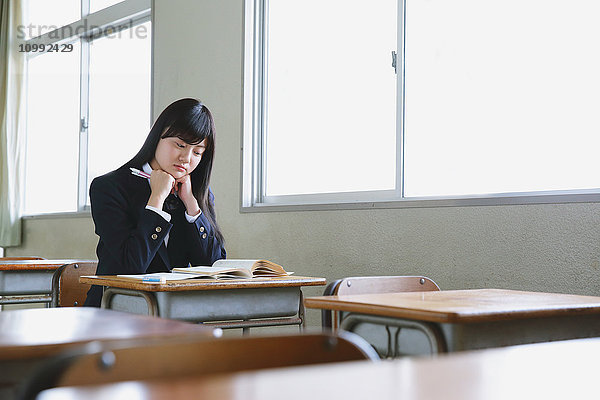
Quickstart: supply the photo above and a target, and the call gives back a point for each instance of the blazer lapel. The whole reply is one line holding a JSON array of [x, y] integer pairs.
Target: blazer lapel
[[142, 188]]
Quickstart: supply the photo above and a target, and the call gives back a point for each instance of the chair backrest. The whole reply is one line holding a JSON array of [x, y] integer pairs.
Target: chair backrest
[[142, 360], [66, 289], [21, 258], [374, 284], [385, 284]]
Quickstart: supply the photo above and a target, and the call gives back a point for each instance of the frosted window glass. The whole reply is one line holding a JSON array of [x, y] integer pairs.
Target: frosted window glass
[[52, 132], [331, 96], [119, 99], [96, 5], [46, 15], [501, 96]]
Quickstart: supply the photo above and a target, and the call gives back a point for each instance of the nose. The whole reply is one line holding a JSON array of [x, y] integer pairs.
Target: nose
[[185, 155]]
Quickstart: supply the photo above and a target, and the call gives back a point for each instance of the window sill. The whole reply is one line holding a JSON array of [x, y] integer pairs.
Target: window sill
[[76, 214], [562, 197]]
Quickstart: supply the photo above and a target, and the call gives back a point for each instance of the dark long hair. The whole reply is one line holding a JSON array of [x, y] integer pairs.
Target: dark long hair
[[192, 122]]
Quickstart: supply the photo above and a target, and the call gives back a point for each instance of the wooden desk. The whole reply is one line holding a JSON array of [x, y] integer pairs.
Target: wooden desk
[[456, 320], [27, 337], [238, 303], [27, 281], [559, 370]]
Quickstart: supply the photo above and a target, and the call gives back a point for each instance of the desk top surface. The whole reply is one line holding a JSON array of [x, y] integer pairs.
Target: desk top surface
[[203, 284], [556, 370], [455, 306], [44, 331], [31, 265]]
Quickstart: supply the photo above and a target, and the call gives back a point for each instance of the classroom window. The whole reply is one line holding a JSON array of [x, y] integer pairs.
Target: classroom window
[[88, 104], [488, 102], [321, 112], [501, 97], [52, 126], [119, 93]]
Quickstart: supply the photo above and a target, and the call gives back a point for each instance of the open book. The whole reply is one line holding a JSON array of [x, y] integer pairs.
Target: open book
[[221, 269], [231, 269]]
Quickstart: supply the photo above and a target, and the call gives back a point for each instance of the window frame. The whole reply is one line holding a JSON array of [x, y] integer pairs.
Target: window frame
[[253, 157], [120, 16]]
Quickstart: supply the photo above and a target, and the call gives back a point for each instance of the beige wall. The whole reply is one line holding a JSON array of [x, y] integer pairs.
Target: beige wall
[[57, 237], [198, 52]]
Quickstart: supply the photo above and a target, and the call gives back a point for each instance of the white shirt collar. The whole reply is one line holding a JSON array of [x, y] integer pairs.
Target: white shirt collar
[[147, 168]]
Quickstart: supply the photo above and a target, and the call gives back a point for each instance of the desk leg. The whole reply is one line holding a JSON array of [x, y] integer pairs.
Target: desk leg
[[392, 346], [150, 299], [301, 310], [432, 332], [335, 323]]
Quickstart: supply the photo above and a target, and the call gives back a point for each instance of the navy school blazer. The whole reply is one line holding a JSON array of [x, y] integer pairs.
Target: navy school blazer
[[132, 237]]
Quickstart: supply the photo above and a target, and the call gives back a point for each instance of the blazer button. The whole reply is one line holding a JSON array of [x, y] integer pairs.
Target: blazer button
[[204, 236], [201, 229], [158, 229], [154, 236]]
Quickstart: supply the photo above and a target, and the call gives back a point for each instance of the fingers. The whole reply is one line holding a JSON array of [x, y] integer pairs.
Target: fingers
[[183, 179], [161, 182]]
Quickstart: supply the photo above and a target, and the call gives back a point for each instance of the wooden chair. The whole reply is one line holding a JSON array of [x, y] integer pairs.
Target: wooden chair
[[374, 284], [66, 289], [98, 363], [20, 258]]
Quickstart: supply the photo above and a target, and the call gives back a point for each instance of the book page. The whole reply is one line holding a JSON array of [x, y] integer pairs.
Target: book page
[[237, 268], [233, 263], [265, 267], [258, 267], [217, 272]]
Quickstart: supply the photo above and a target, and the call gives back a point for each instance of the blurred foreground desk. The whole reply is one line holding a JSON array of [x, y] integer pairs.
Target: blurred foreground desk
[[28, 281], [559, 370], [455, 320], [28, 337], [236, 303]]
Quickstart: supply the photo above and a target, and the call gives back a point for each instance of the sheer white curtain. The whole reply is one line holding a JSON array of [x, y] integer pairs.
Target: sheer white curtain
[[12, 123]]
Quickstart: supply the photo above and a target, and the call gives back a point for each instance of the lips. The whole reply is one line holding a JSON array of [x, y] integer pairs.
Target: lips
[[180, 168]]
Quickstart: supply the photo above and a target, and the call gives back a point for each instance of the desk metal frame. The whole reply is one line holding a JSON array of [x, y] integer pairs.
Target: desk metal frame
[[28, 281], [451, 337], [169, 302], [433, 332], [540, 317], [26, 286], [227, 305]]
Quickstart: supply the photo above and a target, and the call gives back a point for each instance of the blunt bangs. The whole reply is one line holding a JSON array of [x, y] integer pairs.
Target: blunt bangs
[[192, 128]]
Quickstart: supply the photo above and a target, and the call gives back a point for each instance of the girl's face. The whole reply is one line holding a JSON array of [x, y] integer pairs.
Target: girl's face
[[176, 157]]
